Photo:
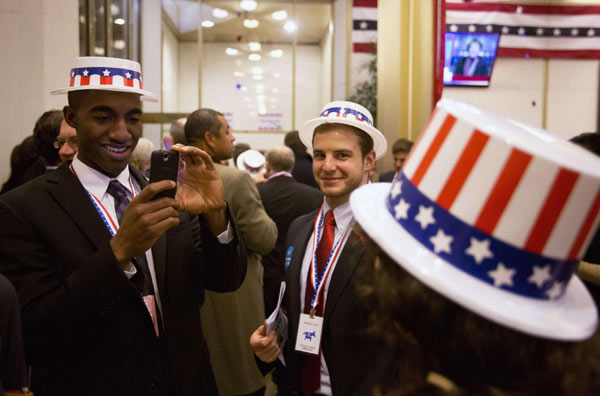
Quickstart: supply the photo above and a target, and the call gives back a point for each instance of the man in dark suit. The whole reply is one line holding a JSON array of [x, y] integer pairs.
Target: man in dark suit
[[400, 150], [324, 258], [473, 64], [302, 170], [110, 286], [284, 200]]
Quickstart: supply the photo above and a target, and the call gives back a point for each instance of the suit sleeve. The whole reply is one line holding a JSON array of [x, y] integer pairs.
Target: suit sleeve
[[256, 227]]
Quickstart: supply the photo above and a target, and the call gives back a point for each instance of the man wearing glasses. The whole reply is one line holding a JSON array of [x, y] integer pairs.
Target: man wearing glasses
[[66, 142]]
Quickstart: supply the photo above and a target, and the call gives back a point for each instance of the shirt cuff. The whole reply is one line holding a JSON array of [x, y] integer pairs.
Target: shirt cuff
[[226, 236], [130, 270]]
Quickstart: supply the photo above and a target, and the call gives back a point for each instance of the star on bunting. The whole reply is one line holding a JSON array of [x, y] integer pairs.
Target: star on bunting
[[479, 250], [402, 209], [425, 216], [502, 275], [540, 275], [441, 242]]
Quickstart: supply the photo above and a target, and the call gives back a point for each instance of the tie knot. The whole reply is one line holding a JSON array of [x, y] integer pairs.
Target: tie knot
[[117, 190], [329, 218]]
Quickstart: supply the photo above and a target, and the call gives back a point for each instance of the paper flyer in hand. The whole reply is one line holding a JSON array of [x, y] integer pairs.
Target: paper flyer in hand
[[278, 322]]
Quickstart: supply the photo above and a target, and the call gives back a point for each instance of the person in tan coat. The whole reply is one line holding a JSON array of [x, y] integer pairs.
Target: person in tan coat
[[229, 319]]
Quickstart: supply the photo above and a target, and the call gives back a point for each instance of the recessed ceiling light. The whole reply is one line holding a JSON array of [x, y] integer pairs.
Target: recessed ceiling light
[[257, 70], [280, 15], [251, 23], [289, 26], [119, 21], [276, 75], [238, 73], [262, 111], [277, 53], [254, 46], [274, 90], [257, 77], [219, 13], [208, 24], [254, 57], [273, 100], [248, 5], [231, 51]]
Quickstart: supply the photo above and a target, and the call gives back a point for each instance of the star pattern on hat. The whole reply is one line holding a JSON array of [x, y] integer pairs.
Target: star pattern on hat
[[425, 216], [441, 242], [402, 209], [86, 72], [128, 75], [540, 275], [479, 250], [502, 275], [396, 189], [555, 291], [106, 72]]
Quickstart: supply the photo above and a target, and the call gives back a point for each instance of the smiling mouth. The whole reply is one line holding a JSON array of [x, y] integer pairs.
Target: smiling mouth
[[116, 150]]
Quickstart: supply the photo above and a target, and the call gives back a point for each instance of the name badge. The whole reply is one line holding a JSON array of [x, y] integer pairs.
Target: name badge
[[308, 339], [149, 301]]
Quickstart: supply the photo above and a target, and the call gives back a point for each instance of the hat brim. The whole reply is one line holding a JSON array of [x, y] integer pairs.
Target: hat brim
[[570, 318], [145, 95], [379, 142]]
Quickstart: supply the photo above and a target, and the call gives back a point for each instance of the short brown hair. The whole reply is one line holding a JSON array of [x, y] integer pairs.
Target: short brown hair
[[365, 141], [402, 146]]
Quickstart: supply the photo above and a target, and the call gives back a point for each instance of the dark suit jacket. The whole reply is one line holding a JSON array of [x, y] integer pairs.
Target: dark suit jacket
[[284, 200], [84, 322], [387, 177], [482, 68], [355, 359], [302, 171]]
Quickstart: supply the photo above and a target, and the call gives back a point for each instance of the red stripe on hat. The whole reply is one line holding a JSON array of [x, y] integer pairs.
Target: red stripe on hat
[[433, 149], [127, 82], [84, 81], [105, 80], [553, 206], [141, 84], [505, 186], [72, 82], [585, 228], [462, 169]]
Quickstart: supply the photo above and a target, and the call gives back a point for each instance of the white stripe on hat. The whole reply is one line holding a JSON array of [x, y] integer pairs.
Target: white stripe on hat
[[475, 191], [420, 148], [118, 81], [95, 80]]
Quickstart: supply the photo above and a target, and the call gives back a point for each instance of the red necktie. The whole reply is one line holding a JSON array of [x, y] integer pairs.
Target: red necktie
[[311, 364]]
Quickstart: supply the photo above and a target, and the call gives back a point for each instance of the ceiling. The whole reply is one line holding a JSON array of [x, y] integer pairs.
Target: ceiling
[[312, 18]]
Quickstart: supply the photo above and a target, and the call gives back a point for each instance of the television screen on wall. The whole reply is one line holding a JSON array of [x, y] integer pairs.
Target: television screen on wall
[[469, 58]]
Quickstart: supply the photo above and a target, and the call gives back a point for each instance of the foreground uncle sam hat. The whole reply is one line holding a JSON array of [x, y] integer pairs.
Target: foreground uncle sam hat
[[348, 113], [494, 215], [107, 74], [251, 161]]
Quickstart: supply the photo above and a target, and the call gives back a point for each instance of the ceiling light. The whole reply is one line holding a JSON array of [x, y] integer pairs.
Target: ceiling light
[[208, 24], [289, 26], [274, 90], [273, 100], [260, 98], [279, 15], [277, 75], [257, 77], [219, 13], [238, 73], [251, 23], [277, 53], [231, 51], [119, 21], [254, 57], [262, 111], [248, 5], [254, 46], [257, 70]]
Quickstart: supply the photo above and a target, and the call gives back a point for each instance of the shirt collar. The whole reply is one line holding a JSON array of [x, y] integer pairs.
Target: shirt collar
[[343, 215], [97, 182]]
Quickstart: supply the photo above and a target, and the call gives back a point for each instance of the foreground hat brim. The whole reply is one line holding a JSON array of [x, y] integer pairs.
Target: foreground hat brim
[[570, 318], [145, 95], [379, 143]]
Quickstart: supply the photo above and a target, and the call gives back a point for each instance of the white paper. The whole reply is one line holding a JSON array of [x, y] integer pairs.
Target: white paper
[[278, 322]]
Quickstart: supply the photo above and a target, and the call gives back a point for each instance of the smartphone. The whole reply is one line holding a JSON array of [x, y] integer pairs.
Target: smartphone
[[164, 165]]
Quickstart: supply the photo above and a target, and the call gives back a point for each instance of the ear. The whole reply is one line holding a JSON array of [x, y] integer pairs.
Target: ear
[[369, 161], [210, 139], [70, 116]]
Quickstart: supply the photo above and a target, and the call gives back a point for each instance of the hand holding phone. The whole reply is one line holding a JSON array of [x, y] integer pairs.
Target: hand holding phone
[[164, 165]]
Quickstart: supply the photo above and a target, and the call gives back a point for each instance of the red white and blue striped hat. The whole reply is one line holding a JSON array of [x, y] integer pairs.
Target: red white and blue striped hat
[[494, 215], [107, 74], [349, 113]]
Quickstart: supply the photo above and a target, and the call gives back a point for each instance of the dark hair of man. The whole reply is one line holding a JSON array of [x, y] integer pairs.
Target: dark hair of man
[[200, 122], [588, 140], [364, 140], [402, 146], [280, 158], [292, 140], [238, 149], [476, 354], [45, 132]]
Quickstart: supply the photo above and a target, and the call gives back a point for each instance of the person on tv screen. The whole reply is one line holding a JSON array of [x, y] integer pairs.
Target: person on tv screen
[[473, 64]]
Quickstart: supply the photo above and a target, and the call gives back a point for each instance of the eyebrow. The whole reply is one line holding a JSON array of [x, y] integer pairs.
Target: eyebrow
[[108, 109]]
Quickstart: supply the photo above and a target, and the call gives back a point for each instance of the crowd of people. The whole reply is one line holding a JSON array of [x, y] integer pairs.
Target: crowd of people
[[286, 273]]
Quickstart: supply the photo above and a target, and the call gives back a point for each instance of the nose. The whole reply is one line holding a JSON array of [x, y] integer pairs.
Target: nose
[[119, 130], [329, 163]]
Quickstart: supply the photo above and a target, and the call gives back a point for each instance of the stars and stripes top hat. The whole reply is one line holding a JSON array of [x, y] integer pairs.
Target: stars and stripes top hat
[[110, 74], [251, 161], [494, 215], [348, 113]]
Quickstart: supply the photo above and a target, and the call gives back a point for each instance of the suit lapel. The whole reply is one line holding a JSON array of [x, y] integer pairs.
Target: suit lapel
[[68, 192], [342, 273]]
